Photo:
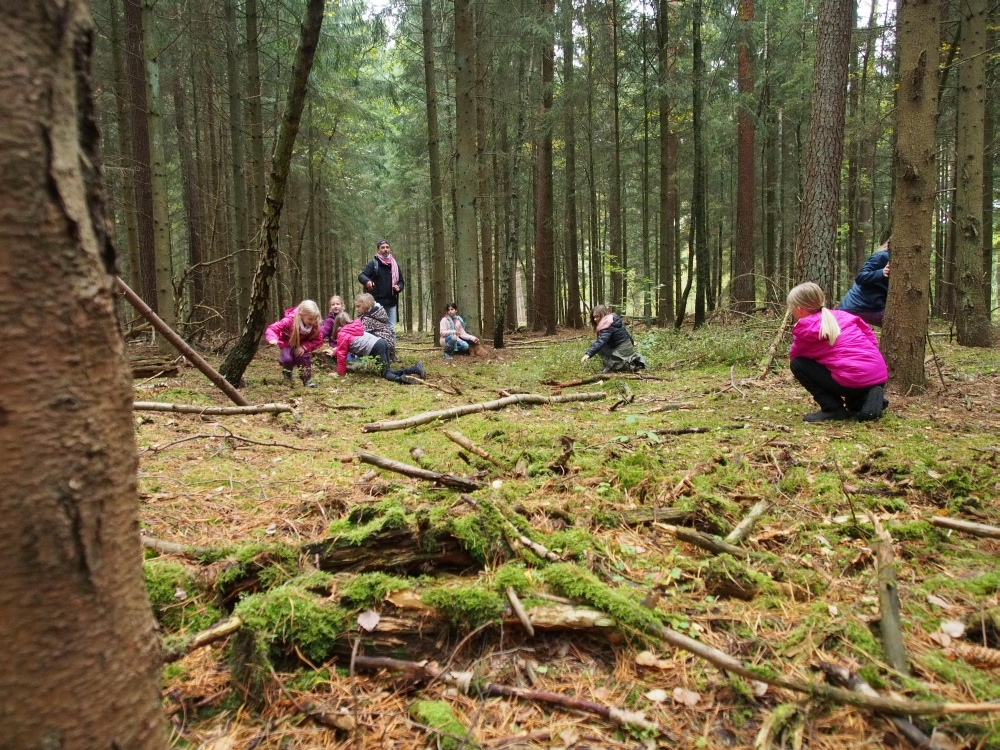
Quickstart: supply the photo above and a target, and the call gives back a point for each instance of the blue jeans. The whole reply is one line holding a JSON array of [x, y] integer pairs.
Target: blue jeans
[[393, 315], [454, 345]]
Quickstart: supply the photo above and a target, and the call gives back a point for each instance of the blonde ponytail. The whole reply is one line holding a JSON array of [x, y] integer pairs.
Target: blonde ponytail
[[829, 328], [809, 296]]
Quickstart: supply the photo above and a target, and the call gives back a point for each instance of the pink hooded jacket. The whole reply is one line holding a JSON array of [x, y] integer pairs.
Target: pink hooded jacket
[[281, 331], [854, 360], [345, 336]]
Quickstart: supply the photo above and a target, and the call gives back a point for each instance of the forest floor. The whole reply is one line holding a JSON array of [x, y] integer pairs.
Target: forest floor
[[436, 568]]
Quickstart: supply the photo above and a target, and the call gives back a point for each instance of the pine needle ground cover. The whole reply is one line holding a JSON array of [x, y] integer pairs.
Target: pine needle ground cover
[[294, 535]]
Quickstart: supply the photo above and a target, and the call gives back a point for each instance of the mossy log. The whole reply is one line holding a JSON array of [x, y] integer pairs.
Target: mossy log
[[399, 550]]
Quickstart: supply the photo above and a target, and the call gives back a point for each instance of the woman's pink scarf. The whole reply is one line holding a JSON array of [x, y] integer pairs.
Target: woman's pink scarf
[[390, 261], [606, 322]]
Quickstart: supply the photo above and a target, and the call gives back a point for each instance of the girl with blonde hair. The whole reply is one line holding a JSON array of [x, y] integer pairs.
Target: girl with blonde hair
[[835, 356], [297, 335]]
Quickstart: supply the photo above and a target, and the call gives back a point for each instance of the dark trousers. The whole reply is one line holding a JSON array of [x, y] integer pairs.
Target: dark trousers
[[288, 360], [381, 350], [828, 393]]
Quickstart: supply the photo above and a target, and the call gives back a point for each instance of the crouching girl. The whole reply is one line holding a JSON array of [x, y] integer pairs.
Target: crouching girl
[[297, 335], [352, 338], [614, 343], [835, 357], [454, 338]]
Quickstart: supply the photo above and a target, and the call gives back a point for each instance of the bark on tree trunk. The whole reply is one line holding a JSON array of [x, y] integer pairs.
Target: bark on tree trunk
[[466, 249], [665, 296], [905, 328], [617, 277], [743, 282], [700, 245], [256, 115], [544, 284], [821, 195], [483, 201], [971, 314], [989, 128], [439, 290], [240, 355], [189, 190], [81, 656], [573, 315], [244, 261]]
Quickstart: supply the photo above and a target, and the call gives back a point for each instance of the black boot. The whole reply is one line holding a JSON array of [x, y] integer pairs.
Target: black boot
[[874, 404], [828, 416]]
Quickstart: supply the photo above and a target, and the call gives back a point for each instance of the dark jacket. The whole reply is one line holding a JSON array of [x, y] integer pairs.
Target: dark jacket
[[381, 274], [612, 337], [871, 286]]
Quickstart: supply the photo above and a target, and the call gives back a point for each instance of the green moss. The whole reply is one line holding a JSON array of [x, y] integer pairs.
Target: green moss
[[512, 574], [309, 679], [726, 576], [466, 605], [571, 542], [914, 531], [984, 686], [578, 583], [355, 531], [861, 636], [438, 715], [478, 539], [243, 561], [174, 597], [369, 589], [984, 584]]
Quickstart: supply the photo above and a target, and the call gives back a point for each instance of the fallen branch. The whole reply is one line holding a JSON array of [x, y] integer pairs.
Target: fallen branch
[[710, 543], [561, 464], [418, 381], [515, 538], [173, 548], [518, 608], [462, 440], [337, 407], [180, 344], [967, 527], [217, 632], [845, 678], [343, 722], [698, 430], [772, 351], [672, 407], [228, 436], [415, 472], [744, 527], [461, 411], [888, 600], [463, 681], [212, 410]]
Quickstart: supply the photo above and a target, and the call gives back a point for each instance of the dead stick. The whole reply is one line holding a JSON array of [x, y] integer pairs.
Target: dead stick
[[212, 410], [518, 608], [671, 407], [515, 538], [710, 543], [445, 480], [744, 527], [699, 430], [182, 346], [772, 351], [842, 677], [888, 599], [460, 439], [967, 527], [173, 548], [491, 689], [217, 632]]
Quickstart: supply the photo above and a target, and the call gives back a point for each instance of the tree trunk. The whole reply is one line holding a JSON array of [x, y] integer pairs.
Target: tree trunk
[[256, 116], [242, 353], [700, 245], [665, 296], [189, 190], [617, 277], [483, 201], [816, 246], [573, 316], [81, 655], [971, 313], [244, 261], [544, 285], [742, 289], [989, 128], [466, 250], [905, 328], [439, 291], [772, 208]]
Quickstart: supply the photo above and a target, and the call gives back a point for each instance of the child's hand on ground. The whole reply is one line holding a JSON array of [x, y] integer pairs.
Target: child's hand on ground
[[298, 351], [328, 351], [585, 357]]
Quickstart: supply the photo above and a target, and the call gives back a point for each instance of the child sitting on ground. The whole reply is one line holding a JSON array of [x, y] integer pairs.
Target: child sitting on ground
[[835, 357], [351, 337], [614, 343], [375, 320], [454, 338], [297, 335]]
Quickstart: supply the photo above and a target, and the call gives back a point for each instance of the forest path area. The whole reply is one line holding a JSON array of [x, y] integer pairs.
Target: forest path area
[[586, 509]]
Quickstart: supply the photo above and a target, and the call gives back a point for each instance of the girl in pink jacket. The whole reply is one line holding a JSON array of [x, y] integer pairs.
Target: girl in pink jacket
[[297, 335], [352, 339], [835, 356]]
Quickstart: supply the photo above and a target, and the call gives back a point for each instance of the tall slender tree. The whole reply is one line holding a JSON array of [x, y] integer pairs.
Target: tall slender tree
[[665, 296], [573, 319], [617, 264], [544, 286], [244, 261], [483, 201], [743, 280], [439, 291], [698, 218], [466, 247]]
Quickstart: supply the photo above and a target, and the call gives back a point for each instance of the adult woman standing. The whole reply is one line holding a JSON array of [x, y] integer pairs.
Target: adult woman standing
[[383, 279]]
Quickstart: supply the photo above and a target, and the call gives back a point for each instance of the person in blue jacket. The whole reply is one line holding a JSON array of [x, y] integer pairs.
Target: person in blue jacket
[[866, 297]]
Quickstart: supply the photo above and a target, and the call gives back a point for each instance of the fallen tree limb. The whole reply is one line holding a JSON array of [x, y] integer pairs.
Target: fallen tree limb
[[463, 681], [772, 351], [744, 527], [671, 407], [462, 440], [515, 604], [173, 548], [698, 430], [433, 386], [415, 472], [217, 632], [889, 625], [180, 344], [212, 410], [461, 411], [710, 543], [841, 677], [515, 538], [228, 436], [967, 527]]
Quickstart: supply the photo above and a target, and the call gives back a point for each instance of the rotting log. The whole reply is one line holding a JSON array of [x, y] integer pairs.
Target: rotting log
[[841, 677], [212, 410], [403, 550], [180, 344], [967, 527], [153, 367], [460, 411], [415, 472]]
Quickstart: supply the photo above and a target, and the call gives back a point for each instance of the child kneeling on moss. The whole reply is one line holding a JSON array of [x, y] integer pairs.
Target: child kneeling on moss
[[351, 337], [835, 356]]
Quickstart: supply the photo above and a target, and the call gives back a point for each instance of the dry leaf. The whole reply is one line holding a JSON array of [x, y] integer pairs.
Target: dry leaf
[[685, 697], [657, 695], [406, 599], [223, 743], [369, 619], [832, 609], [569, 737], [942, 740], [954, 628], [938, 601], [649, 659], [759, 688], [601, 693], [941, 639]]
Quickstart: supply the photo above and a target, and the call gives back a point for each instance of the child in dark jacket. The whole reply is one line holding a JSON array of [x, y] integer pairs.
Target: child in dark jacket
[[866, 297], [835, 356], [352, 338], [614, 343], [297, 335]]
